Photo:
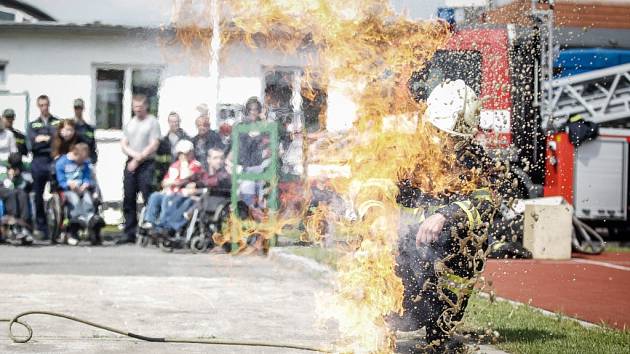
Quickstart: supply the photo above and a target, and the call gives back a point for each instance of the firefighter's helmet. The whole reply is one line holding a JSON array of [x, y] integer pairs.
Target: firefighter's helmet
[[453, 107]]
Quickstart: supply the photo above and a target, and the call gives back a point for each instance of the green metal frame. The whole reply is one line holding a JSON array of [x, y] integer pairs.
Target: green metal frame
[[270, 174]]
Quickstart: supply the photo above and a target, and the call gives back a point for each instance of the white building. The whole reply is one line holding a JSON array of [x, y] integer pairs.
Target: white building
[[105, 65]]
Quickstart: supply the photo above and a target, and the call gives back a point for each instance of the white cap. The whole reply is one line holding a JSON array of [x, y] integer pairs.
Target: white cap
[[184, 146], [453, 107]]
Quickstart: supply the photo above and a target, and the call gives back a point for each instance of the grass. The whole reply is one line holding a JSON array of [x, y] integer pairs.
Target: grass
[[617, 249], [522, 329]]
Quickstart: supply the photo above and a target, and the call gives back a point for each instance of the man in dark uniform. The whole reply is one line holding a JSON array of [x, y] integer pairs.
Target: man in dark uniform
[[85, 131], [40, 134], [8, 117], [166, 154], [443, 237]]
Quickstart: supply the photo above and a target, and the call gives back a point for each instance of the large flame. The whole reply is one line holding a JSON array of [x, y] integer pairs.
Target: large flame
[[370, 52]]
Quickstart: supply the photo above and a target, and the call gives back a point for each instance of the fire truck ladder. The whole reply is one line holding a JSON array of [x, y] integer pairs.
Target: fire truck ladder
[[543, 13], [601, 96]]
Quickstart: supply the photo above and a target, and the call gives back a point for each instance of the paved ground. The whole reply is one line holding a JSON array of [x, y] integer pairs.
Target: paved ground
[[594, 288], [153, 293], [150, 292]]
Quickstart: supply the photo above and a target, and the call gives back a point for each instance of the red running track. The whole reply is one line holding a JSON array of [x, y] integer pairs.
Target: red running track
[[592, 288]]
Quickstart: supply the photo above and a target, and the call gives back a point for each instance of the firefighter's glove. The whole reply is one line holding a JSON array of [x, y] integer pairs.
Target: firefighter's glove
[[430, 229]]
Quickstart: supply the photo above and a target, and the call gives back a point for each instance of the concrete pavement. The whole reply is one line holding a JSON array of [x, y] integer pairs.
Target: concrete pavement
[[153, 293], [149, 292]]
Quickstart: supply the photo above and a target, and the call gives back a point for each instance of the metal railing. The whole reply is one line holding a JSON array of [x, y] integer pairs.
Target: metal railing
[[601, 96]]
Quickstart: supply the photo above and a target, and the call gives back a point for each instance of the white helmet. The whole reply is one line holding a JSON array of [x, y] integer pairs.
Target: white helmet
[[184, 147], [453, 107]]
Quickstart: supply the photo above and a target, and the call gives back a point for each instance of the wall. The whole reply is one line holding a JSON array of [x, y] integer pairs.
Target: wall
[[60, 63]]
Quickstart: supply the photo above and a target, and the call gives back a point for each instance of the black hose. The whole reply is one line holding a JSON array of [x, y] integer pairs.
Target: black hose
[[582, 241], [29, 329]]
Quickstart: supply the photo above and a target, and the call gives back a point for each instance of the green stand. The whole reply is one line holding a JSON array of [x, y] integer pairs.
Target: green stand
[[270, 174]]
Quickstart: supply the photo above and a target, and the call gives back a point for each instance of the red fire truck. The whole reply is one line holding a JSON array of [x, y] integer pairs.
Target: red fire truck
[[524, 112]]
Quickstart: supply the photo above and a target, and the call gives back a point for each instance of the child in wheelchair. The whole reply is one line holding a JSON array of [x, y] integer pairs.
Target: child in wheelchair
[[73, 172], [14, 187], [164, 212]]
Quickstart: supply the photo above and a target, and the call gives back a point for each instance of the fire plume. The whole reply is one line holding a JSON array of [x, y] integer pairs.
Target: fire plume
[[368, 52]]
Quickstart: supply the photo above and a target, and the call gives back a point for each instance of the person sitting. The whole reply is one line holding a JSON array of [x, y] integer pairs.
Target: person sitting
[[65, 138], [74, 177], [21, 173], [176, 184], [217, 175], [15, 201]]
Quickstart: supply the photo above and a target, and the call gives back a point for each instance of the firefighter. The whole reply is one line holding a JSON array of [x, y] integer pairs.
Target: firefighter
[[40, 134], [442, 239], [8, 117]]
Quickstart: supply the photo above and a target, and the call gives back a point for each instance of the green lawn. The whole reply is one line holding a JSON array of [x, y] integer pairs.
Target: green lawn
[[617, 249], [521, 329]]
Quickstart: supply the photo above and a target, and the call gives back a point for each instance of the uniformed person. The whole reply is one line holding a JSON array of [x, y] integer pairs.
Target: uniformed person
[[8, 117], [443, 238], [166, 153], [40, 134], [85, 131]]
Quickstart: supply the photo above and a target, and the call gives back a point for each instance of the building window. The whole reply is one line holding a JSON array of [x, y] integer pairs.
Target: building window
[[7, 16], [114, 89], [3, 73], [109, 98]]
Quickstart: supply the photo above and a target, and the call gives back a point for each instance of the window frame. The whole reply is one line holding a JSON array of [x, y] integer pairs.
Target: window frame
[[3, 76], [114, 133]]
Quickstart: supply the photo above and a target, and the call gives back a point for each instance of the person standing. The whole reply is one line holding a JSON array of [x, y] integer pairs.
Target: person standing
[[140, 142], [166, 153], [7, 143], [40, 134], [85, 131], [8, 117], [205, 140]]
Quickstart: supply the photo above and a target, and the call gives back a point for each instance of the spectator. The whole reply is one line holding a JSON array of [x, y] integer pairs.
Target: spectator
[[8, 117], [7, 143], [15, 200], [166, 154], [253, 155], [84, 130], [162, 209], [217, 175], [65, 138], [40, 134], [74, 176], [205, 140], [140, 142], [22, 177]]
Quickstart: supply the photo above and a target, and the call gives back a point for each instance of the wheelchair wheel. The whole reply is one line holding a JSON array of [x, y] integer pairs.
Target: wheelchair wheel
[[143, 240], [54, 215], [165, 245], [198, 244]]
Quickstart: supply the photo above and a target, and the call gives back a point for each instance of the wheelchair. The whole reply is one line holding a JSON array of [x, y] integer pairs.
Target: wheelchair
[[14, 231], [203, 223], [58, 216]]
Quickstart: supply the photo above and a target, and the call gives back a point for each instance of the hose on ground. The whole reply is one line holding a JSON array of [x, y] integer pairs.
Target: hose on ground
[[585, 239], [213, 341]]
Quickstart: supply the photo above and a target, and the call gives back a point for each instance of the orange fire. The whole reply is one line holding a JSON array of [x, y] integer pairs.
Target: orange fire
[[369, 52]]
